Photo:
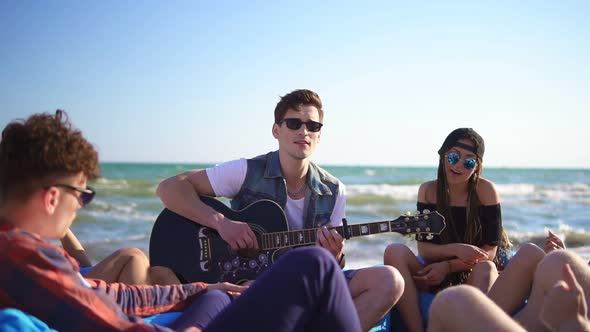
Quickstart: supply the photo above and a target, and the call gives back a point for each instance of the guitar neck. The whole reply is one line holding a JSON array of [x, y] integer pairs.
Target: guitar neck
[[309, 236]]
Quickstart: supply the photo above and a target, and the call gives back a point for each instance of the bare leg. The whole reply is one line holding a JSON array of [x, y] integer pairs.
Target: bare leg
[[465, 308], [548, 273], [513, 286], [404, 260], [131, 266], [483, 276], [375, 290], [160, 275]]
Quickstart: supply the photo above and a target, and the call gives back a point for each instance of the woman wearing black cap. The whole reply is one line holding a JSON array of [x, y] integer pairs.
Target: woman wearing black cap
[[466, 250]]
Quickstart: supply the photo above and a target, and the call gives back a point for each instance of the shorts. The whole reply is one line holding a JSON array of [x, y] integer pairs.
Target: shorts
[[349, 274]]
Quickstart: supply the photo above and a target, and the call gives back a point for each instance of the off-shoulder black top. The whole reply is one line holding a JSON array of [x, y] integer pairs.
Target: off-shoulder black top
[[490, 217]]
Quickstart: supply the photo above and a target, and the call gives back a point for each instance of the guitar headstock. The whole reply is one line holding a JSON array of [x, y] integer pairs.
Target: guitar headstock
[[425, 223]]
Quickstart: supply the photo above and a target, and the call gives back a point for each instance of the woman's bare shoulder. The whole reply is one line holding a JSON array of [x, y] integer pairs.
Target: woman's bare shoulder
[[487, 193], [427, 192]]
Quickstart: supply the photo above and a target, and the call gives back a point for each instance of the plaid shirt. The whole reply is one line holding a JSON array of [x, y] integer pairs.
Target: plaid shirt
[[43, 280]]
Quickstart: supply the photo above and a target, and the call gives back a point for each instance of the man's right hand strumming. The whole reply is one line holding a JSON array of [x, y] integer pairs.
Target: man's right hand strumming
[[237, 234]]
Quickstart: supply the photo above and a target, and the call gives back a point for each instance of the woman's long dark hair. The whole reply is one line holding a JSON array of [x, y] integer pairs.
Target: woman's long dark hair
[[443, 206]]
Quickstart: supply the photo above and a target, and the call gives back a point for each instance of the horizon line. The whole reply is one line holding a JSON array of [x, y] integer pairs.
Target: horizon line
[[572, 168]]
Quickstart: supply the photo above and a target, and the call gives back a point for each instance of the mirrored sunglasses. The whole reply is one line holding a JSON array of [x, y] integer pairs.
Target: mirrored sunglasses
[[468, 163], [295, 124]]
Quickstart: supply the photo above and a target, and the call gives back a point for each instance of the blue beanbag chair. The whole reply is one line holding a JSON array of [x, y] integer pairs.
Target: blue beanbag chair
[[424, 301], [84, 270], [14, 320], [164, 319], [383, 325]]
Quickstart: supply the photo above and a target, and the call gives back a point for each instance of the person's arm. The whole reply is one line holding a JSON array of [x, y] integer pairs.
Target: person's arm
[[456, 264], [433, 252], [147, 300], [181, 193], [73, 247], [461, 256], [54, 291]]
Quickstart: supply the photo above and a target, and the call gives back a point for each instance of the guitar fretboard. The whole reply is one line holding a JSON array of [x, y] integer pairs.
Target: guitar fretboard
[[269, 241]]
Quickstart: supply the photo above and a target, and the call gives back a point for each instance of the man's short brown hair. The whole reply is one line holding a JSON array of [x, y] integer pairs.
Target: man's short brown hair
[[41, 149], [294, 100]]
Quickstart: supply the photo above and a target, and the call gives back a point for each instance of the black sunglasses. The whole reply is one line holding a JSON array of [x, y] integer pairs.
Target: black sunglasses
[[86, 194], [295, 124]]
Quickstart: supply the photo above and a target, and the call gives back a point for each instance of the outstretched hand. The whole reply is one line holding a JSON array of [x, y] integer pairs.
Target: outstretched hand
[[565, 303], [553, 242], [232, 289]]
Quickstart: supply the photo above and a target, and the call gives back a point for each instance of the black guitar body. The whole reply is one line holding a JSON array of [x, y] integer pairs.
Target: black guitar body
[[198, 253]]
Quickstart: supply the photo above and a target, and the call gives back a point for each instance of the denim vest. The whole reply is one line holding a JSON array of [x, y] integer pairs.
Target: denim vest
[[264, 180]]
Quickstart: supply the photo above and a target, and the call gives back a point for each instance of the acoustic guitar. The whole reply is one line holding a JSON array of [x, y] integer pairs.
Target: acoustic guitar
[[197, 253]]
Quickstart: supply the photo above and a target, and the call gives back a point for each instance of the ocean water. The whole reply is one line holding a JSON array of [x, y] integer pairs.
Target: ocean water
[[533, 200]]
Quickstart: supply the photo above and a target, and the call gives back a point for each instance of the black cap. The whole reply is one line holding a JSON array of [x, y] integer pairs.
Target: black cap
[[460, 133]]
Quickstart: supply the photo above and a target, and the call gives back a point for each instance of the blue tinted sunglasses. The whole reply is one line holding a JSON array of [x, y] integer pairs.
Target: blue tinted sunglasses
[[468, 163]]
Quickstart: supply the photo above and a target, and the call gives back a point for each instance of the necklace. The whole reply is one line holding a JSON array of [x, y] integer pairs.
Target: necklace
[[298, 192]]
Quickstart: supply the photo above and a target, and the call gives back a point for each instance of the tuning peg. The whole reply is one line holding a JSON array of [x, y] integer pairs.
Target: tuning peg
[[419, 237], [425, 211], [429, 236]]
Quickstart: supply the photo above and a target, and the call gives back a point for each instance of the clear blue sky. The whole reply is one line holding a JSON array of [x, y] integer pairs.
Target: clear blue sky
[[197, 81]]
